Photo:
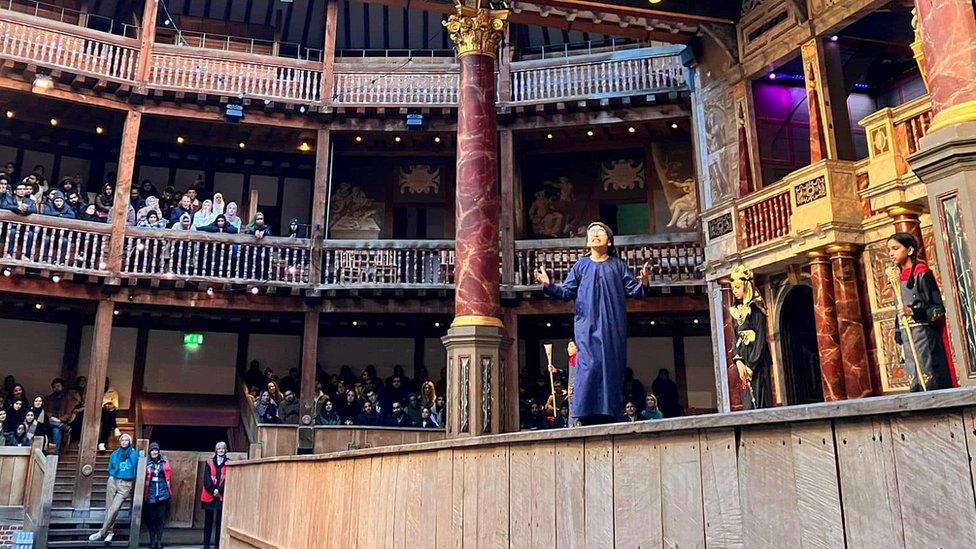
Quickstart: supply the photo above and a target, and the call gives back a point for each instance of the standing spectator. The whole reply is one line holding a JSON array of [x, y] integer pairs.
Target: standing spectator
[[184, 207], [667, 394], [212, 495], [266, 409], [122, 467], [651, 411], [439, 409], [110, 410], [253, 376], [159, 489], [288, 410], [630, 413]]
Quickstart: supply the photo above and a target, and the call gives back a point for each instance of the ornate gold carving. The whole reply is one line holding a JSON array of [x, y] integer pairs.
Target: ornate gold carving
[[959, 113], [917, 49], [477, 320], [476, 30], [809, 191]]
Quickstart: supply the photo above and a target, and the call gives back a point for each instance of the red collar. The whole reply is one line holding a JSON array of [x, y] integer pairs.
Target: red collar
[[919, 269]]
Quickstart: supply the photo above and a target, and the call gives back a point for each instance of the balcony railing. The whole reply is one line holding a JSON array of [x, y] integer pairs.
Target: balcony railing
[[48, 243], [377, 83], [388, 263], [674, 259], [204, 257], [766, 220]]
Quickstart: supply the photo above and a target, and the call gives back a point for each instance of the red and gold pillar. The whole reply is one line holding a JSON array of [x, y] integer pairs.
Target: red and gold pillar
[[825, 318], [476, 342], [947, 30], [905, 220], [850, 324]]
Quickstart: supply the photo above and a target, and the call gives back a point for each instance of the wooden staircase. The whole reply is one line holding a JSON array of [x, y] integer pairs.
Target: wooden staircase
[[70, 527]]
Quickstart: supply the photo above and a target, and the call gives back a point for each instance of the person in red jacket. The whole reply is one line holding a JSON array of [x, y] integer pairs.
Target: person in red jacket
[[159, 490], [212, 495]]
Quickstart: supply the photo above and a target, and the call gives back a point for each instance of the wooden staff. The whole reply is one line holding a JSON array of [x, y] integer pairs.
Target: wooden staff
[[895, 279], [552, 379]]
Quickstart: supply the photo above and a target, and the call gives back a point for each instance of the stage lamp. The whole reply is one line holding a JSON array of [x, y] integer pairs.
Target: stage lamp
[[589, 133], [241, 145], [354, 323], [54, 121], [7, 272], [38, 306], [10, 114], [210, 291], [304, 147], [397, 139], [674, 125], [255, 290], [43, 82], [359, 139], [115, 312], [437, 140], [548, 136], [56, 278], [99, 130], [631, 129], [180, 139]]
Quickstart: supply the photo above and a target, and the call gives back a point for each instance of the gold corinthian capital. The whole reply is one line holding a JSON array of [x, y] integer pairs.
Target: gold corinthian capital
[[476, 30]]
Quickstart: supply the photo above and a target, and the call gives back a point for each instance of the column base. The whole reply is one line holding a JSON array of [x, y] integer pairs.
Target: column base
[[476, 366]]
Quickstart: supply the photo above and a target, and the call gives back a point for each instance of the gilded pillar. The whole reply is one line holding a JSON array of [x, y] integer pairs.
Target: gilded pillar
[[825, 318], [476, 342], [850, 323]]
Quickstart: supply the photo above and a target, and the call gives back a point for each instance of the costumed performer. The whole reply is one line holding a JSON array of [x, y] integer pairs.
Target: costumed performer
[[751, 348]]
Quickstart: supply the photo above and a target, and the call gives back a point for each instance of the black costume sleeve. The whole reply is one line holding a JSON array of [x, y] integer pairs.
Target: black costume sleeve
[[752, 352], [928, 307]]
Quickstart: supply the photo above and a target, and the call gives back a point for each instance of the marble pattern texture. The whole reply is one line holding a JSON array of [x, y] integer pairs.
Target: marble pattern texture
[[850, 325], [948, 29], [828, 339]]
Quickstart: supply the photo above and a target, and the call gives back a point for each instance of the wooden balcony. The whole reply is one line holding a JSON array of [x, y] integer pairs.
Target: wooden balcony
[[812, 207], [893, 135], [50, 246], [238, 66]]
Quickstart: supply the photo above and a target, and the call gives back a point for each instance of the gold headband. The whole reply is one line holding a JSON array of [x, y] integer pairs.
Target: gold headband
[[739, 272]]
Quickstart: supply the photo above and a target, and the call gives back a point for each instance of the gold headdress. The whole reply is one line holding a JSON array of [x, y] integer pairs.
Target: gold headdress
[[739, 272], [749, 294]]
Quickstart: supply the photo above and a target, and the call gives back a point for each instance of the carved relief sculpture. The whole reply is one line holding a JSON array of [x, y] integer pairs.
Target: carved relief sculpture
[[673, 166], [352, 213], [620, 175], [558, 216], [419, 179]]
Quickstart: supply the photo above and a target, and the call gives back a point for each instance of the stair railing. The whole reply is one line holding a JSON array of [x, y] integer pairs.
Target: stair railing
[[138, 493], [39, 494]]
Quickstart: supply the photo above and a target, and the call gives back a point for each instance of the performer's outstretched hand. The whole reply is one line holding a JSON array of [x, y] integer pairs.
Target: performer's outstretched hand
[[645, 274], [541, 277]]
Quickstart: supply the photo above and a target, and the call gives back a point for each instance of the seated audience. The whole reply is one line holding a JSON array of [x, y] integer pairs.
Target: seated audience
[[258, 228], [535, 419], [562, 420], [230, 214], [266, 409], [327, 415], [58, 207], [369, 416], [398, 416], [427, 420], [413, 408], [651, 410], [19, 436], [288, 409], [104, 200], [294, 229], [153, 221], [253, 376], [630, 413]]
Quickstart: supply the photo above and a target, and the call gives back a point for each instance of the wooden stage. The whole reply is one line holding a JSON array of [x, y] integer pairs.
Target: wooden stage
[[891, 471]]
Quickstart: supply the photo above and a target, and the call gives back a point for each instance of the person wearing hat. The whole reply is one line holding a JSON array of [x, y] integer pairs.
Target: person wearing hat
[[599, 283], [212, 495], [159, 490], [122, 467]]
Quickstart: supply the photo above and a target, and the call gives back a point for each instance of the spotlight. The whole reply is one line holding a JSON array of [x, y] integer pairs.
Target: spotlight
[[652, 323], [116, 313], [548, 324], [180, 140], [437, 324], [255, 290], [631, 129], [43, 82], [654, 1], [589, 133], [241, 145], [166, 22], [772, 76], [674, 125], [359, 139], [304, 147], [38, 306], [548, 136], [210, 291], [695, 321], [396, 139], [10, 114], [834, 38], [437, 140], [354, 323], [54, 121], [7, 272], [99, 130], [140, 246], [56, 278], [302, 109]]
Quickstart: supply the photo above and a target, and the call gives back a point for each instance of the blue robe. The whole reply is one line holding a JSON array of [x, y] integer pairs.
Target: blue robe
[[600, 290]]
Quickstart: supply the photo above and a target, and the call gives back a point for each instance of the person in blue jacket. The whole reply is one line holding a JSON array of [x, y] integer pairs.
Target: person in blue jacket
[[159, 490], [122, 467]]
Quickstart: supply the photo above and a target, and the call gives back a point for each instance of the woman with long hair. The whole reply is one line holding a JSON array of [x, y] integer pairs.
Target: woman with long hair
[[927, 360], [750, 347]]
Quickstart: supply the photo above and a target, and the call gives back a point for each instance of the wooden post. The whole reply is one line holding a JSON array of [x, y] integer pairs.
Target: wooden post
[[328, 51], [310, 349], [139, 378], [101, 339], [510, 375], [147, 35], [123, 184], [680, 372], [252, 206], [506, 145], [505, 74], [276, 44], [72, 350], [320, 200], [83, 11]]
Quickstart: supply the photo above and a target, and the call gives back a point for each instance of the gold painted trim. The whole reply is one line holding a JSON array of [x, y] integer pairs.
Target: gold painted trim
[[898, 211], [840, 248], [954, 115], [477, 320], [476, 30]]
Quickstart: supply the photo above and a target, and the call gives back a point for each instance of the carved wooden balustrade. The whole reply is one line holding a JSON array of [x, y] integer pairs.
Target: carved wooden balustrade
[[59, 45], [232, 73], [635, 72], [674, 258], [767, 219], [205, 257], [49, 243], [893, 135], [382, 82], [388, 263]]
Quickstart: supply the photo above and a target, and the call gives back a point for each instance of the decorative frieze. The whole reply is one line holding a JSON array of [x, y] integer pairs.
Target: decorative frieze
[[720, 226], [810, 191]]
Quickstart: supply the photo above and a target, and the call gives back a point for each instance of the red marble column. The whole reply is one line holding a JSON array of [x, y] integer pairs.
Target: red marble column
[[825, 317], [850, 324], [906, 220], [477, 203], [948, 34], [735, 395]]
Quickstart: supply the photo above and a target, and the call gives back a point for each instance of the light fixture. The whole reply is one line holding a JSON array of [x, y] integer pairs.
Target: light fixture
[[38, 306], [255, 290], [267, 101], [674, 125], [437, 324], [654, 1], [548, 136], [772, 76], [652, 323], [241, 145], [115, 312], [7, 272], [397, 139], [54, 121], [359, 139], [302, 109], [180, 140], [55, 278], [834, 38], [304, 147], [354, 323], [695, 321], [166, 22], [210, 291], [10, 114], [548, 324], [631, 129], [99, 130], [589, 133], [437, 140], [43, 82]]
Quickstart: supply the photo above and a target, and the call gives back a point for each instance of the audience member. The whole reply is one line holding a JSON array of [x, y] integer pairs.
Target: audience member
[[294, 229], [184, 207], [266, 409], [327, 415], [212, 495], [58, 207], [368, 416], [651, 411], [427, 420], [153, 221], [562, 420], [19, 436], [159, 489], [398, 416], [57, 412], [122, 467], [104, 200], [413, 408], [288, 410], [630, 413], [253, 376], [666, 391], [110, 409], [230, 214], [258, 228]]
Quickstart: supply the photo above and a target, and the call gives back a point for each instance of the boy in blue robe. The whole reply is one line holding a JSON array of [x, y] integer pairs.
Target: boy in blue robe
[[600, 283]]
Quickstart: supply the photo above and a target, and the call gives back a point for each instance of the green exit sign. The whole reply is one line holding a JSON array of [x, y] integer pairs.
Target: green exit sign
[[191, 339]]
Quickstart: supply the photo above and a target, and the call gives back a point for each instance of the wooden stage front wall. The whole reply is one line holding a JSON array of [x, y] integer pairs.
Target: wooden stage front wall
[[887, 472]]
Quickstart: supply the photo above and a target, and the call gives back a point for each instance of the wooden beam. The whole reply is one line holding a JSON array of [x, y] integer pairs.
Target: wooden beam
[[101, 339], [616, 116], [147, 35], [8, 83], [328, 51], [139, 377], [320, 199], [120, 205], [310, 348], [506, 145]]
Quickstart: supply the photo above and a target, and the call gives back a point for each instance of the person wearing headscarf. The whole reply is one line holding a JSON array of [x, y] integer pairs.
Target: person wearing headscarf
[[600, 283], [750, 348], [212, 494], [104, 200], [147, 189], [258, 227], [266, 409], [4, 433], [184, 223], [205, 216], [90, 213], [122, 467], [295, 230], [153, 220], [157, 496], [152, 203], [219, 225], [231, 215]]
